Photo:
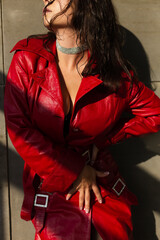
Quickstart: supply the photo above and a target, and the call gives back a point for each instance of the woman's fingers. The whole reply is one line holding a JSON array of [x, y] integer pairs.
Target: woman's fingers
[[97, 193], [84, 197], [81, 198], [87, 199], [70, 193], [102, 174], [84, 183]]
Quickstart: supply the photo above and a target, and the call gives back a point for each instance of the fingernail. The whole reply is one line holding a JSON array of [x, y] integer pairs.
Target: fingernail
[[87, 210], [80, 208], [106, 173], [100, 201], [67, 198]]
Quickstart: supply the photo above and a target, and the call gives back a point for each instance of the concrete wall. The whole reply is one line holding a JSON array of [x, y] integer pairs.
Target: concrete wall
[[139, 164]]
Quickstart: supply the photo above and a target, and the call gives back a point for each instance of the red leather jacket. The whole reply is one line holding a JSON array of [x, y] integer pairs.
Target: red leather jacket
[[35, 118]]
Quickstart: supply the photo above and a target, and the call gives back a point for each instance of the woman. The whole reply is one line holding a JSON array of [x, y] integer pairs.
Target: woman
[[64, 97]]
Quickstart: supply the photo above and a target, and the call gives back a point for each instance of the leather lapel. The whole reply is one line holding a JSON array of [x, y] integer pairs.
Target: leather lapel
[[87, 84], [49, 82], [48, 78]]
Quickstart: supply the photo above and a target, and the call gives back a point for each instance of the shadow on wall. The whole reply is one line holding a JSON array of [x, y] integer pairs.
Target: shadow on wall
[[15, 175], [135, 53], [2, 78], [145, 186], [140, 182]]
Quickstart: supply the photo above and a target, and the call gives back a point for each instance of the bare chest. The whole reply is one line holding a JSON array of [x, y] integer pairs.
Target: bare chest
[[70, 83]]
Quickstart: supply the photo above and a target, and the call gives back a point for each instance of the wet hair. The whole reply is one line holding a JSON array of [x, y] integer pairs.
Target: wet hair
[[96, 25]]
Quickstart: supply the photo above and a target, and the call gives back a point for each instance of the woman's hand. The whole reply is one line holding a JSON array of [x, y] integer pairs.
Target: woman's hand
[[86, 182]]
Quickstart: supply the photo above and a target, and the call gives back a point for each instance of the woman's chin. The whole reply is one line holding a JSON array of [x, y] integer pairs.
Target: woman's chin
[[46, 23]]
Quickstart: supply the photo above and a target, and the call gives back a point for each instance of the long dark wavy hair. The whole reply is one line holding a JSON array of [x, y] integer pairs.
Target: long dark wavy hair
[[96, 25]]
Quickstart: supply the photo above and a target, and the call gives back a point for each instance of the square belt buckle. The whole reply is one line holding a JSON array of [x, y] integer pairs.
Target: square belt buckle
[[121, 190], [41, 196]]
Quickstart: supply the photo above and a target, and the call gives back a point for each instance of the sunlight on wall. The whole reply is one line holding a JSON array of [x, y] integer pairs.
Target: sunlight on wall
[[152, 167]]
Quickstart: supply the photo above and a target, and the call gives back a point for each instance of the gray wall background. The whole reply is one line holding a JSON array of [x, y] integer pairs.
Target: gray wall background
[[138, 157]]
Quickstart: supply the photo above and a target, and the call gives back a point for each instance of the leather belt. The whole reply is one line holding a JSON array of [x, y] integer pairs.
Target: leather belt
[[42, 198], [43, 202], [87, 156]]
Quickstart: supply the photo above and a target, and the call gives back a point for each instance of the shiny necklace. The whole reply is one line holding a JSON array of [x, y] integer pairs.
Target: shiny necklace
[[73, 50]]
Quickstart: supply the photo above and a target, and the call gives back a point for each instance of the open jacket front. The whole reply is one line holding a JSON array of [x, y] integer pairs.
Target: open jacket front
[[35, 121]]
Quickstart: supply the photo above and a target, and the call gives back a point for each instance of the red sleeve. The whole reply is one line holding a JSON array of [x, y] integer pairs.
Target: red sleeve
[[58, 165], [145, 107]]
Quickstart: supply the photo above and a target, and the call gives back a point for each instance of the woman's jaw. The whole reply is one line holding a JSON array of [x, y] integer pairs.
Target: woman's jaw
[[60, 25]]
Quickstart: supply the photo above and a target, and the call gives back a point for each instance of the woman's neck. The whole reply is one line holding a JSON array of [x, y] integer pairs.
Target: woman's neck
[[68, 39]]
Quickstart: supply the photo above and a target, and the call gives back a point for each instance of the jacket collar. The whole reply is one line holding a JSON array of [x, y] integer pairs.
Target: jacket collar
[[36, 46], [45, 79], [42, 77]]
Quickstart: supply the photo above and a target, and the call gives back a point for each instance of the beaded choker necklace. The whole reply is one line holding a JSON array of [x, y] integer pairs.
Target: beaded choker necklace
[[73, 50]]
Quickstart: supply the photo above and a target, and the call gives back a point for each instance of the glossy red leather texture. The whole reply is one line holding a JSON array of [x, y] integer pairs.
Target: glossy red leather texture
[[34, 115]]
